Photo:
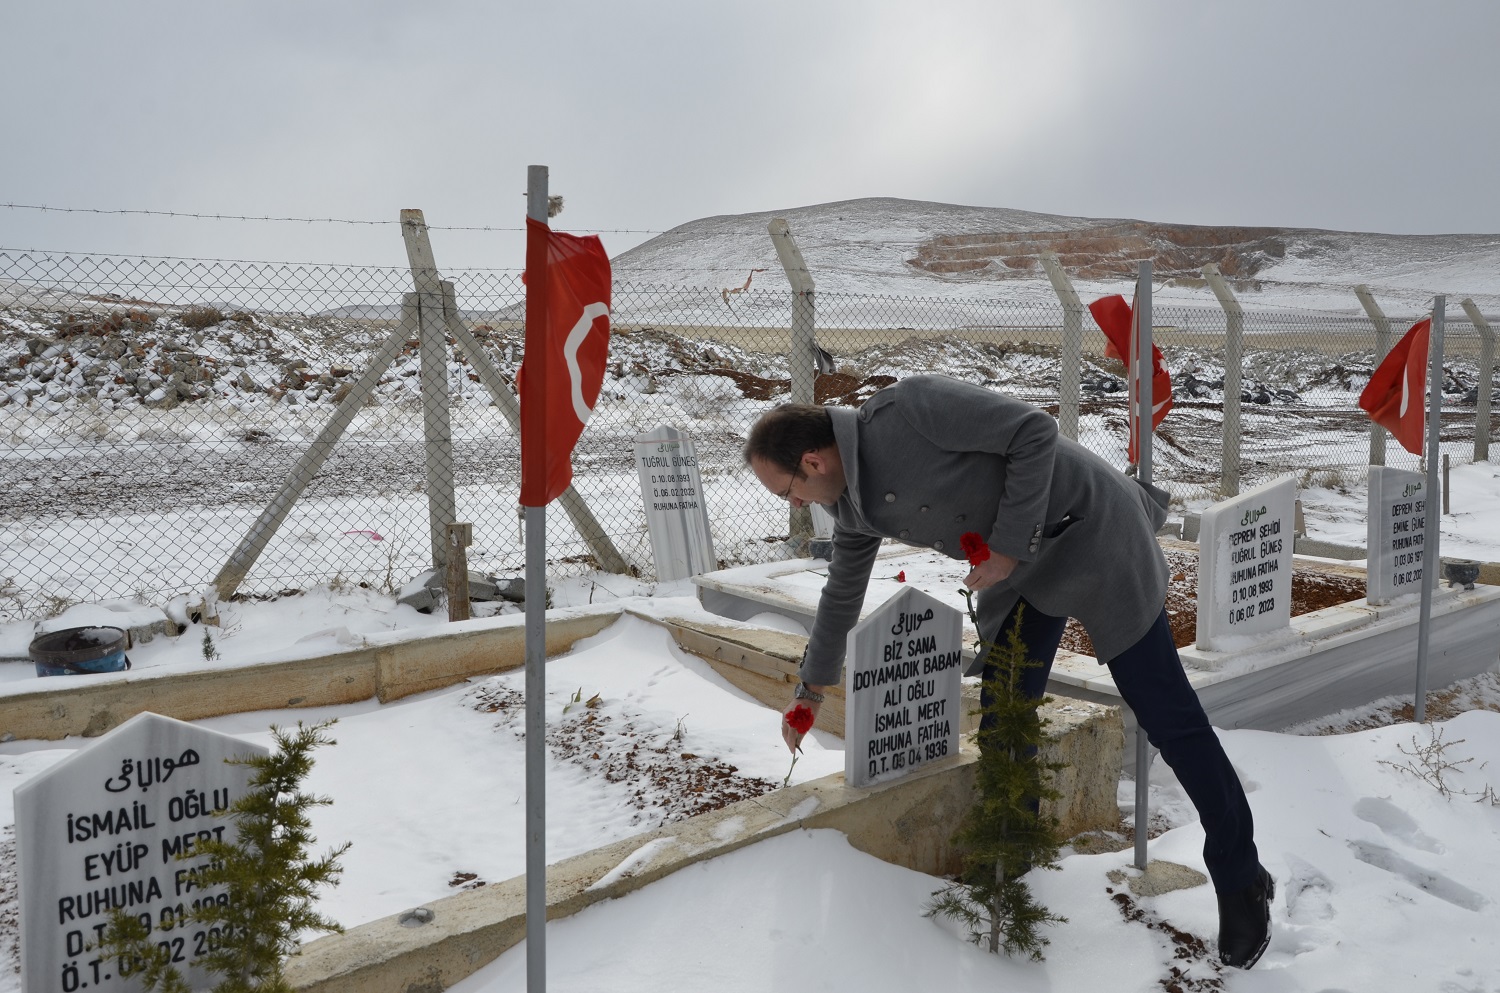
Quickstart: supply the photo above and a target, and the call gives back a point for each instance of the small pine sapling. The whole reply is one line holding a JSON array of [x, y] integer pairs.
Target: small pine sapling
[[1004, 834], [266, 873]]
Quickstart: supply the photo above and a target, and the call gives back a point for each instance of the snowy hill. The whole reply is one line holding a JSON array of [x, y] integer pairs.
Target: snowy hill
[[909, 247]]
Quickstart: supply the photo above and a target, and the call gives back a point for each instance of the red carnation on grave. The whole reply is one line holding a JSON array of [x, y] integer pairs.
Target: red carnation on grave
[[901, 576], [800, 719], [974, 547]]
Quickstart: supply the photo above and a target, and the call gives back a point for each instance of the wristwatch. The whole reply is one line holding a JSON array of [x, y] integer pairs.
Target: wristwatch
[[803, 693]]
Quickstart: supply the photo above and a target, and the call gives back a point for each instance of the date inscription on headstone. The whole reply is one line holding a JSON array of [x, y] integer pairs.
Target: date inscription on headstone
[[114, 826], [901, 688], [1395, 533], [676, 516], [1245, 564]]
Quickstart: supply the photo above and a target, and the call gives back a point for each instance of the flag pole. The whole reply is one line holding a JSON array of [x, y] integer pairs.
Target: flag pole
[[1432, 519], [1145, 371], [534, 435]]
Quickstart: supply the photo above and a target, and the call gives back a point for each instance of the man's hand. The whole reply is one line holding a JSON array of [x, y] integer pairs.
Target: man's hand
[[995, 569], [789, 735]]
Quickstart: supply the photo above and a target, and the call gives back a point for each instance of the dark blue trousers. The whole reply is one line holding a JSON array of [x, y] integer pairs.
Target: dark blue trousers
[[1154, 686]]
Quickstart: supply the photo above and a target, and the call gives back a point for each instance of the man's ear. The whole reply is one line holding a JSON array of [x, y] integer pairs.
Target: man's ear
[[814, 462]]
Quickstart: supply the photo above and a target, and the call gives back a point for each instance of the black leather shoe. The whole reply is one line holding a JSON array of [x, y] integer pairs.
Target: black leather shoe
[[1245, 922]]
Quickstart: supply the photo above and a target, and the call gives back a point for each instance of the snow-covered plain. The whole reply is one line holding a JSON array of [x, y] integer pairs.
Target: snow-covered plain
[[138, 444]]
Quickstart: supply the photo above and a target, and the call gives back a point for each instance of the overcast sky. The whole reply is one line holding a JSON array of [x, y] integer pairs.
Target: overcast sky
[[1367, 115]]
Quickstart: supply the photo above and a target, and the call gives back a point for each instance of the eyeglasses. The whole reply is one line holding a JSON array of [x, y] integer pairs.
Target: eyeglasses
[[786, 494]]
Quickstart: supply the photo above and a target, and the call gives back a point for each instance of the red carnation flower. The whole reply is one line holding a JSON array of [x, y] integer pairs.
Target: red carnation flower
[[800, 719], [974, 547], [901, 576]]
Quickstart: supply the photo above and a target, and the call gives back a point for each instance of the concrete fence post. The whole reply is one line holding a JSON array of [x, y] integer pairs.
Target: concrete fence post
[[437, 426], [1382, 346], [802, 354], [1071, 357], [249, 550], [1234, 343], [1482, 425]]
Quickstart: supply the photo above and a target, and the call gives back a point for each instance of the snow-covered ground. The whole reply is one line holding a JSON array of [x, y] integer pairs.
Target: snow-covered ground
[[1383, 882], [1364, 850]]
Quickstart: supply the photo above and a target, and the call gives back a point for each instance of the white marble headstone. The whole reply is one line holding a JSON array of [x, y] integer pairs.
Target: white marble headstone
[[901, 688], [102, 829], [1245, 565], [1394, 533], [677, 517]]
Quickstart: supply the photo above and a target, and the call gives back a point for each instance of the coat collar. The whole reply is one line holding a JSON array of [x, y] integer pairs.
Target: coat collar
[[846, 436]]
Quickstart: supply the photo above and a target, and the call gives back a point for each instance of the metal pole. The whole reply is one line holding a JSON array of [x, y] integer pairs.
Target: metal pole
[[536, 611], [1432, 521], [1143, 375]]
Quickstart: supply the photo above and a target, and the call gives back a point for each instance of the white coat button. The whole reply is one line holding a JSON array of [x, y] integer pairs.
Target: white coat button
[[890, 498]]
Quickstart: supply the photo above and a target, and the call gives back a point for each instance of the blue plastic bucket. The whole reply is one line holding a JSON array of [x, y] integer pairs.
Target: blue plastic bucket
[[80, 651]]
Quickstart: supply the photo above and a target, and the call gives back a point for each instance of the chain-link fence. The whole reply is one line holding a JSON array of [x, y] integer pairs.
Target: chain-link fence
[[153, 409]]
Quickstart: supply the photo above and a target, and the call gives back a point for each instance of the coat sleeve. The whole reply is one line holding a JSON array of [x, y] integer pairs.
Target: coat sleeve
[[961, 417], [839, 606]]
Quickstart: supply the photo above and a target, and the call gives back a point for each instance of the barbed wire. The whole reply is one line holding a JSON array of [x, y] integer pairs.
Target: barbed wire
[[292, 220]]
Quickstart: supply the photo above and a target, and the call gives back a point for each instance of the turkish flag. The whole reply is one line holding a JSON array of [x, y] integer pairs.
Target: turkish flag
[[567, 343], [1395, 397], [1116, 319]]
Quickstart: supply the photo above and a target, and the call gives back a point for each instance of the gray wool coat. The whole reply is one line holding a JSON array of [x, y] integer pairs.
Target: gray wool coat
[[930, 458]]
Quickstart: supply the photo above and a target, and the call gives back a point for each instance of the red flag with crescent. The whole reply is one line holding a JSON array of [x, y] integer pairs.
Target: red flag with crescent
[[1396, 395], [567, 345], [1116, 319]]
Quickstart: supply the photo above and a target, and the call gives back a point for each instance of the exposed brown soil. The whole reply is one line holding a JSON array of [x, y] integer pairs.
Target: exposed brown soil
[[1311, 591], [1110, 251], [10, 904], [835, 388], [668, 783], [1197, 968]]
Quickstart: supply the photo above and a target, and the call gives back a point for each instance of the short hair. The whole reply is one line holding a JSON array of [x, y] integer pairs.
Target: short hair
[[782, 435]]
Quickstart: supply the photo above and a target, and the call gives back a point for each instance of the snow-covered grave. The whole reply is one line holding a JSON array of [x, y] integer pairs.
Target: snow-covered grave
[[1319, 662]]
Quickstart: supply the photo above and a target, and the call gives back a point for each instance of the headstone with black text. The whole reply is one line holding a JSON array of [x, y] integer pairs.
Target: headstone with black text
[[1394, 533], [822, 521], [1245, 565], [114, 826], [676, 516], [901, 688]]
